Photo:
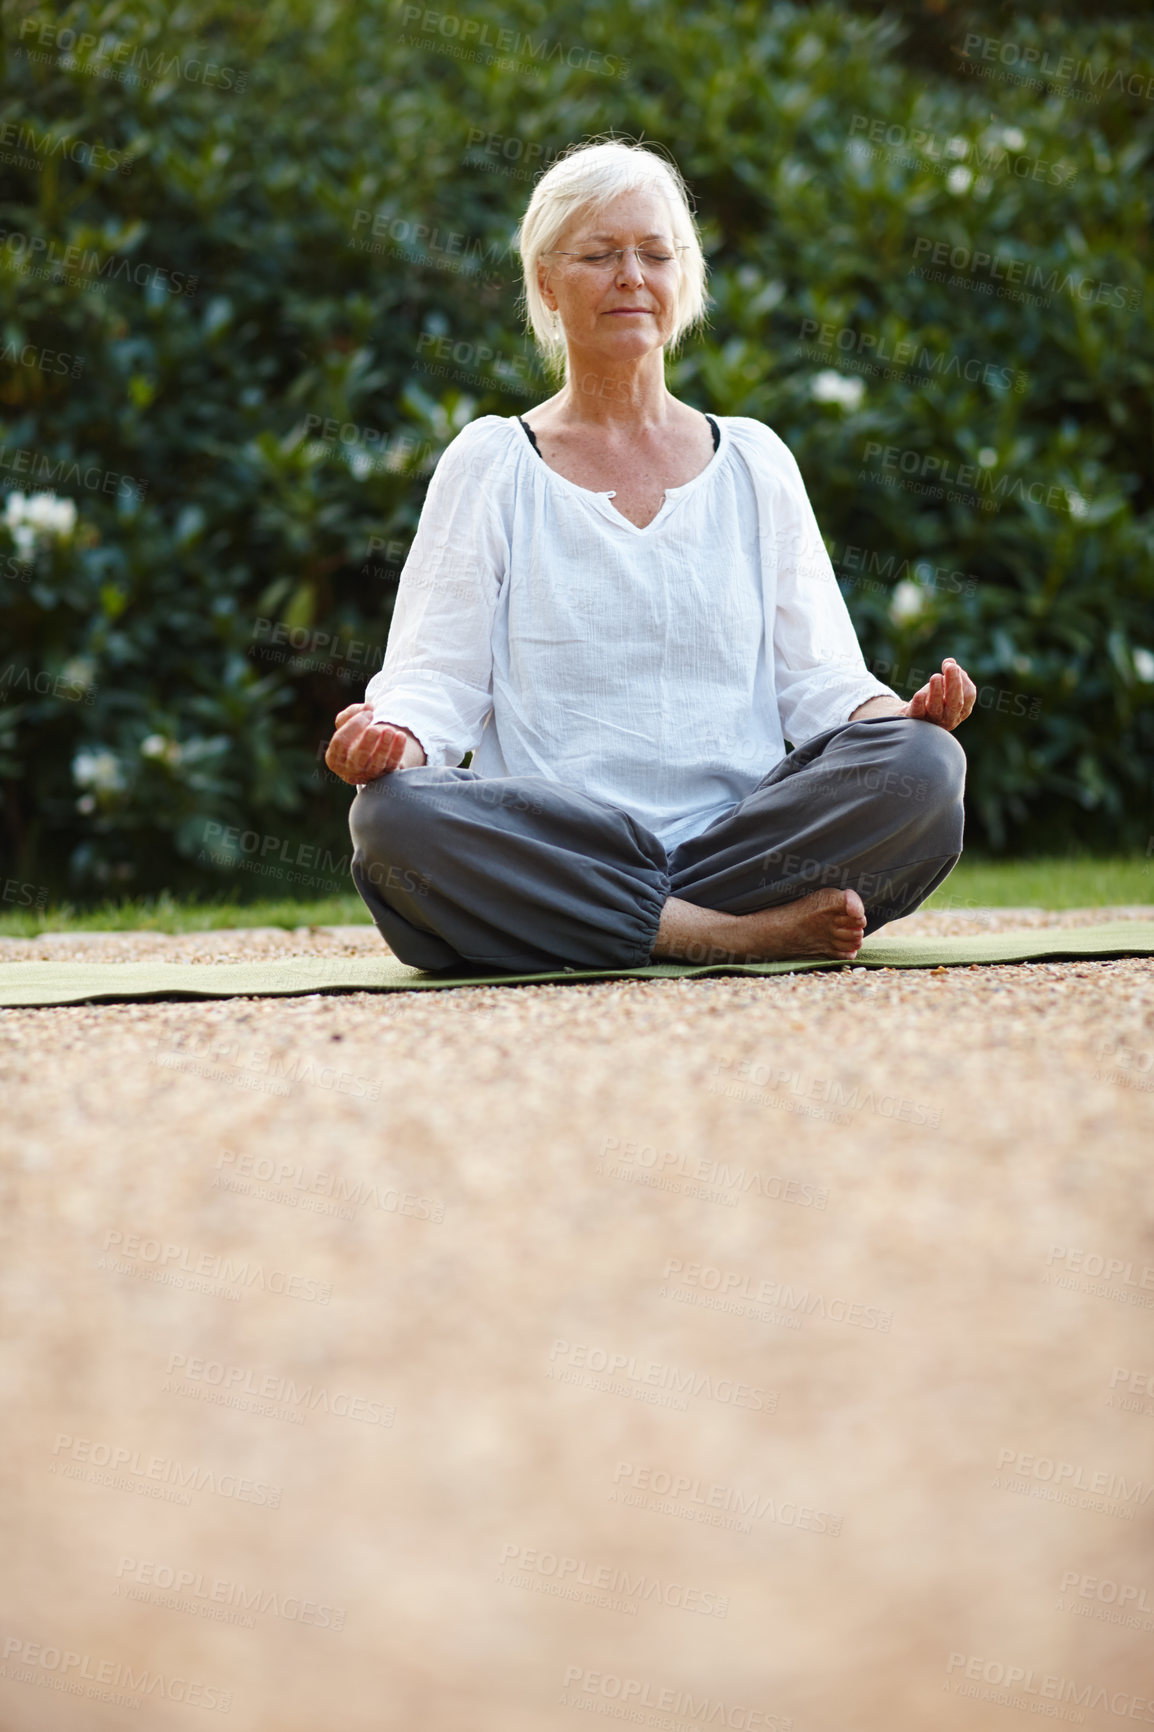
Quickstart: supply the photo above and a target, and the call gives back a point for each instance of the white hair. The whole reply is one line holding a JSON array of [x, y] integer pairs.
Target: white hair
[[586, 178]]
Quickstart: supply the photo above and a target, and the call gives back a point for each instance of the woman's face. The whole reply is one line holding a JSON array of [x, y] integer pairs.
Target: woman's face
[[621, 309]]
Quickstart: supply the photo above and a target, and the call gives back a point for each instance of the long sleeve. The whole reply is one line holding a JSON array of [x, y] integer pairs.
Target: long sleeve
[[820, 672], [437, 675]]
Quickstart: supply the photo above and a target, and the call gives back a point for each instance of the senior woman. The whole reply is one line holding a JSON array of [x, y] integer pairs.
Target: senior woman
[[623, 607]]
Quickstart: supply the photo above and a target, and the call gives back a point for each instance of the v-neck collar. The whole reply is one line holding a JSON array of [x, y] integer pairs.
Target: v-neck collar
[[602, 499]]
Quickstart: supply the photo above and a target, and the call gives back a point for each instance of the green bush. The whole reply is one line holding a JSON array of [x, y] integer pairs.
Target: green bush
[[221, 176]]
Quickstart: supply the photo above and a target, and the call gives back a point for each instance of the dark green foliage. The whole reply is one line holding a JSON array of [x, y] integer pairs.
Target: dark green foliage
[[216, 301]]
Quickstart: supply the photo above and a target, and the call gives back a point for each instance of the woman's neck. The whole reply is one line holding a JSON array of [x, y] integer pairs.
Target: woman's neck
[[630, 400]]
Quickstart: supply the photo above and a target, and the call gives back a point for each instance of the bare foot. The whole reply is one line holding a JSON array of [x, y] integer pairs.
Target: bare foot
[[827, 923]]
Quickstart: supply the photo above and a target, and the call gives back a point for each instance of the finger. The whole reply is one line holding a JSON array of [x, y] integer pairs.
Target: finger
[[350, 711], [934, 698], [967, 694], [345, 742], [970, 690], [965, 702], [952, 706], [379, 752]]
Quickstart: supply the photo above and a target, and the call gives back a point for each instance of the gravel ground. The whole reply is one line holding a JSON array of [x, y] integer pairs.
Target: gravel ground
[[728, 1352]]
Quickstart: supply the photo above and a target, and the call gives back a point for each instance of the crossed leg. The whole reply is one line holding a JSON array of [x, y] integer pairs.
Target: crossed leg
[[854, 828]]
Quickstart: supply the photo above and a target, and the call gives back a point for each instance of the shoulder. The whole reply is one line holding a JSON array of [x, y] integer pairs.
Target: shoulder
[[767, 457], [485, 444], [760, 444]]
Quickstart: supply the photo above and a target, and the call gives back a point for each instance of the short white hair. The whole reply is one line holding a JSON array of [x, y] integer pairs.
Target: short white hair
[[586, 178]]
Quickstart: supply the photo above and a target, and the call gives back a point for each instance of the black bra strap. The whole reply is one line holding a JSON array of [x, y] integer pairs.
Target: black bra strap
[[537, 448]]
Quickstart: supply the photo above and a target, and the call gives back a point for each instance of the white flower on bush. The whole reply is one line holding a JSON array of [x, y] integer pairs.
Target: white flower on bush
[[908, 602], [80, 671], [959, 178], [1077, 503], [161, 749], [834, 387], [28, 517], [99, 770], [1144, 665]]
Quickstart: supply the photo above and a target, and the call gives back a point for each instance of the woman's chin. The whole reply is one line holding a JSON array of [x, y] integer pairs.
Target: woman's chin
[[622, 341]]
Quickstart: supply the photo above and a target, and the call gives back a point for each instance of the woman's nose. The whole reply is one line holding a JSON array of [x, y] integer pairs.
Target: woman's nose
[[629, 267]]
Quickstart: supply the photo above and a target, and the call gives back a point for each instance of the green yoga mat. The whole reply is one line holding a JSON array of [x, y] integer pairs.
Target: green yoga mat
[[44, 983]]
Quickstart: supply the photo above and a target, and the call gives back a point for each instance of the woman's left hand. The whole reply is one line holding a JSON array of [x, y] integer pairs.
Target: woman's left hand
[[946, 698]]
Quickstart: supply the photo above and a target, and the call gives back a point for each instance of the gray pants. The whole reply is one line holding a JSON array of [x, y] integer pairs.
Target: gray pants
[[520, 873]]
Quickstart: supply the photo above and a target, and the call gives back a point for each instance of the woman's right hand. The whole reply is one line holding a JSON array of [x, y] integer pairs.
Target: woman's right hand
[[361, 749]]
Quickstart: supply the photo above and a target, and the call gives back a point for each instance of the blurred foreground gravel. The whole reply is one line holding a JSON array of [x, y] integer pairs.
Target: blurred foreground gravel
[[726, 1353]]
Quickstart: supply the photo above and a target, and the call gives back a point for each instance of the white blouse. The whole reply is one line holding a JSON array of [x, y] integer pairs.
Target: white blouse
[[661, 669]]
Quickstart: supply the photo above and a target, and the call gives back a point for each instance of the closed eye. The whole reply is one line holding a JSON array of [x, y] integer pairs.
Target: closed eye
[[647, 258]]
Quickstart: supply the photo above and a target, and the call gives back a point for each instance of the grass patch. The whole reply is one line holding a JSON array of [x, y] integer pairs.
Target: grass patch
[[1079, 882], [165, 913], [974, 883]]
